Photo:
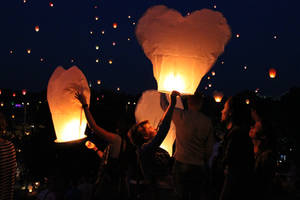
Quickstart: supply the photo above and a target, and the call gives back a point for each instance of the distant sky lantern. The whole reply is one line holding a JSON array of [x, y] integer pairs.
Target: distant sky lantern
[[110, 62], [96, 6], [129, 16], [215, 6], [96, 18], [275, 37], [42, 59], [102, 32], [245, 67], [118, 89], [133, 23], [24, 92], [237, 35], [97, 47], [2, 104], [11, 51], [213, 73], [128, 39], [91, 32], [24, 1], [256, 90], [208, 78], [97, 60], [14, 94], [247, 101], [222, 62], [12, 116], [209, 85], [115, 25], [51, 4], [218, 96], [0, 92], [37, 28], [28, 51], [114, 43], [98, 82], [182, 49], [67, 113], [272, 73]]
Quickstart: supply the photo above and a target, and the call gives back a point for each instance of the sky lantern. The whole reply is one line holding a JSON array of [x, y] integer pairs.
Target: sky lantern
[[37, 28], [0, 92], [115, 25], [24, 92], [247, 101], [97, 47], [98, 82], [218, 96], [67, 113], [213, 73], [14, 94], [28, 51], [96, 18], [237, 35], [51, 4], [272, 73], [182, 49], [110, 62]]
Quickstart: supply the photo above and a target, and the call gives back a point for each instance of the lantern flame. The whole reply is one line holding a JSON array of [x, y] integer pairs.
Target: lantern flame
[[218, 96], [173, 82]]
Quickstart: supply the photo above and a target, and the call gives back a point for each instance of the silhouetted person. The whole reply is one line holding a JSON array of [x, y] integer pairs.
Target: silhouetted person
[[237, 155]]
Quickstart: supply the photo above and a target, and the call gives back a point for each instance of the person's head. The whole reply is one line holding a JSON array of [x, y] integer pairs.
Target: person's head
[[195, 102], [141, 132], [237, 112]]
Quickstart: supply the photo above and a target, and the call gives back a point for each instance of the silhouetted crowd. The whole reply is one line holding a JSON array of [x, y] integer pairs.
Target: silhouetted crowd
[[234, 156]]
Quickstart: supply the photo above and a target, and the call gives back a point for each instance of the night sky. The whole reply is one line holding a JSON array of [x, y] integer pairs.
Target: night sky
[[269, 35]]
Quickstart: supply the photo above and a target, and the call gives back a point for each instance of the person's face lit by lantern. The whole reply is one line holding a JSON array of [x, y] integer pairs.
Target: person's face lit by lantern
[[225, 112], [147, 131], [255, 129]]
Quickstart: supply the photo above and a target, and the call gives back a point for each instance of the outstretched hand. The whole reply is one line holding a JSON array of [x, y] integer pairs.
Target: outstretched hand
[[80, 97], [174, 94]]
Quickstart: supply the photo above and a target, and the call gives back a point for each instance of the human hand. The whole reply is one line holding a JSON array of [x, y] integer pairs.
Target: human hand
[[174, 95], [90, 145], [80, 97]]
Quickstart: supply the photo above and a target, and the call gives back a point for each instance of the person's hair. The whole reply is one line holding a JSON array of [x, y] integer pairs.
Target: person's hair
[[239, 111], [135, 136]]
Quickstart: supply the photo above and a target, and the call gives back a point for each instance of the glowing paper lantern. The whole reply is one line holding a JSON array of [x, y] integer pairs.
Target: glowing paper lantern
[[247, 101], [98, 82], [272, 72], [148, 108], [67, 114], [24, 92], [218, 96], [37, 28], [51, 4], [181, 49], [115, 25]]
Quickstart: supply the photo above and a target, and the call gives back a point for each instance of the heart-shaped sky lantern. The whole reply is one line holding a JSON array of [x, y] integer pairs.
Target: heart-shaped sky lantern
[[67, 114], [182, 49]]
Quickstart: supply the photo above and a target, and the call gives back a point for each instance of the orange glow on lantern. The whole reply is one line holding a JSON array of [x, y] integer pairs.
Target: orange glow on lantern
[[247, 101], [24, 92], [28, 51], [14, 94], [67, 114], [272, 73], [115, 25], [90, 145], [51, 4], [98, 82]]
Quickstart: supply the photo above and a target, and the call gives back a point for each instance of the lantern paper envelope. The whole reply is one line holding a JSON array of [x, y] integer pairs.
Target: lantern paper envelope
[[182, 49], [149, 108], [67, 114]]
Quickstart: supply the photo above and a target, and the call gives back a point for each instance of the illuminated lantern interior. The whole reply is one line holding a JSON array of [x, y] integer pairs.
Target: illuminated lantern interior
[[24, 92], [67, 114], [182, 49], [218, 96], [148, 108], [115, 25], [37, 28], [272, 73]]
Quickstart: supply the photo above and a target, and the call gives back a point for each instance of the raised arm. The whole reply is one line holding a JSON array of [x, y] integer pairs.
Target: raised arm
[[102, 133], [164, 125]]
